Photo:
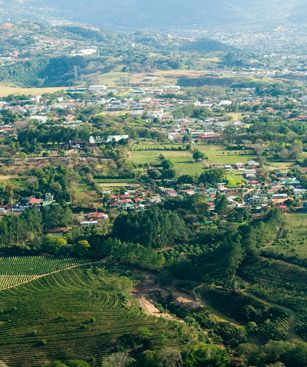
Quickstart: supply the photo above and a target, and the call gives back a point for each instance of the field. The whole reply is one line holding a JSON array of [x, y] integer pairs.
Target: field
[[183, 160], [273, 297], [19, 270], [77, 313], [8, 90], [295, 241], [113, 183], [281, 284], [238, 307]]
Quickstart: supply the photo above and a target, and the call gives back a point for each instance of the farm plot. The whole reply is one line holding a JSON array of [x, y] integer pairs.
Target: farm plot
[[79, 313], [282, 284], [272, 321], [18, 270]]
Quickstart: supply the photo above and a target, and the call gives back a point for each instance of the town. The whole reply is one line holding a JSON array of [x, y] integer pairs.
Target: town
[[153, 187]]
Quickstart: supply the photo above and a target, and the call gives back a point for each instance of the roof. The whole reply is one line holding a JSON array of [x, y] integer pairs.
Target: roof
[[34, 201], [97, 215]]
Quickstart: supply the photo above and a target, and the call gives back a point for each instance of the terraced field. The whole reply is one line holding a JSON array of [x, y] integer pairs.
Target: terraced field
[[282, 284], [19, 270], [77, 313]]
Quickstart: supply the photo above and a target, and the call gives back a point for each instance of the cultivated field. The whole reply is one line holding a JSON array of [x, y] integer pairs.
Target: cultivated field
[[77, 313], [281, 284], [18, 270]]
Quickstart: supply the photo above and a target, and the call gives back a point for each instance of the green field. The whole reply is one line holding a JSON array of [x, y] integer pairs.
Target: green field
[[217, 154], [78, 313], [294, 242], [183, 160]]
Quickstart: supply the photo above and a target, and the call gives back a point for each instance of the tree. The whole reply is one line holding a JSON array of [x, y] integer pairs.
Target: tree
[[201, 354], [153, 228], [198, 155], [167, 168], [55, 216], [296, 149], [162, 358], [185, 179], [54, 244], [221, 204], [212, 176], [117, 360]]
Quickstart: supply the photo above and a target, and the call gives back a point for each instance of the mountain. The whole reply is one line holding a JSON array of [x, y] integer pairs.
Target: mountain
[[158, 14]]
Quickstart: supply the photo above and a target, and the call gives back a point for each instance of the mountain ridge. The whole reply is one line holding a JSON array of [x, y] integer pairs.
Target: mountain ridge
[[144, 14]]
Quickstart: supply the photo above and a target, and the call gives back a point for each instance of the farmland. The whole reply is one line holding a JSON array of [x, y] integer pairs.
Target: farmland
[[282, 284], [19, 270], [74, 313]]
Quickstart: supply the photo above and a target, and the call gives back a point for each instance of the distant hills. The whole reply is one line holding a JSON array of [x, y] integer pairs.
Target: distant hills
[[161, 14]]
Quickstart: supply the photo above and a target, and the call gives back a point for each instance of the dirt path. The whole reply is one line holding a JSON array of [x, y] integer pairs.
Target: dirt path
[[150, 309], [142, 293]]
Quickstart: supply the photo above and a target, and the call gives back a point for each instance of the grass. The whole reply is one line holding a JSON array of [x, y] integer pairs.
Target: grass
[[80, 313], [217, 154], [236, 116], [113, 185], [9, 90], [182, 160], [109, 183], [84, 196], [234, 179], [272, 321]]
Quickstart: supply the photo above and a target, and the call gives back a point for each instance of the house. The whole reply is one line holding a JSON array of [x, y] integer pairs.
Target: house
[[97, 216], [88, 223], [225, 102], [253, 163], [117, 138], [34, 201]]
